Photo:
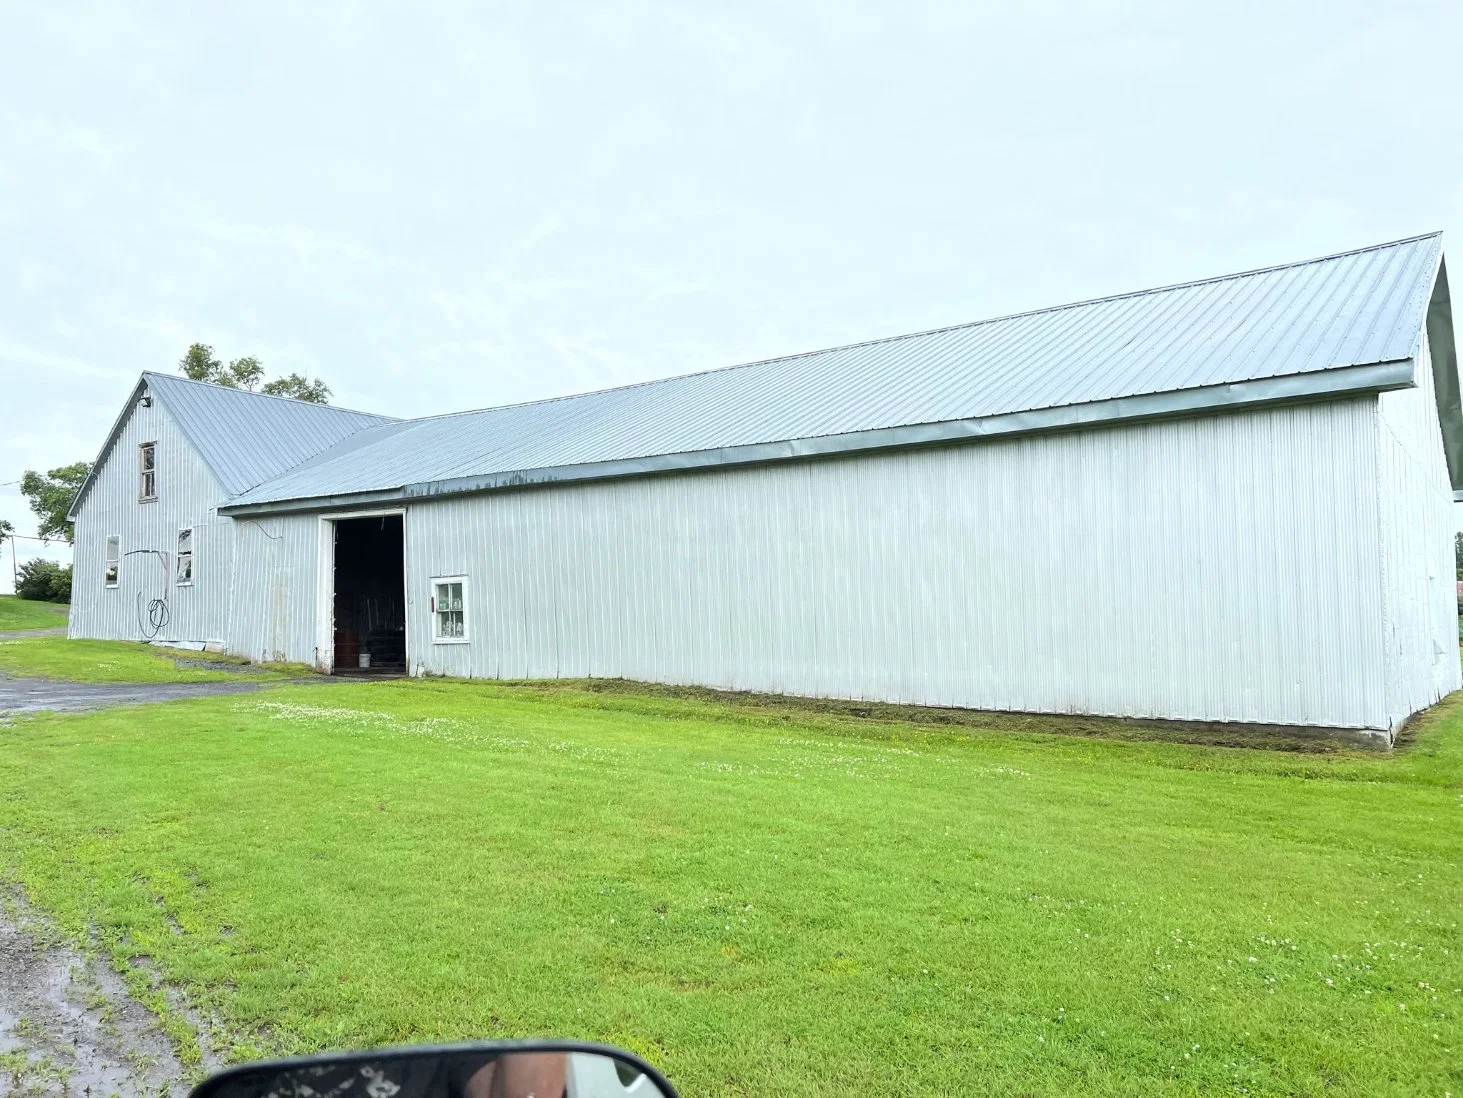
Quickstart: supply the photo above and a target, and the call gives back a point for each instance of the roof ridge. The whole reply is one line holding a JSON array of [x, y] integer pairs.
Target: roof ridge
[[932, 331], [269, 396]]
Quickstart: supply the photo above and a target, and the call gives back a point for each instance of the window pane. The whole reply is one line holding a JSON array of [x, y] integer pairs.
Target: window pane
[[449, 603], [185, 568]]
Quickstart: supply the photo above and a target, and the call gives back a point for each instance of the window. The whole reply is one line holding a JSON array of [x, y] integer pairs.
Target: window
[[185, 556], [114, 557], [147, 471], [449, 610]]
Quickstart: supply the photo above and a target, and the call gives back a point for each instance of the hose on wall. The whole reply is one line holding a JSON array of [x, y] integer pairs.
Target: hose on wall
[[153, 614]]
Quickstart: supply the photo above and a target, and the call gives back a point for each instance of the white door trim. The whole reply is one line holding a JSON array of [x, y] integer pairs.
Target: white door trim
[[325, 587]]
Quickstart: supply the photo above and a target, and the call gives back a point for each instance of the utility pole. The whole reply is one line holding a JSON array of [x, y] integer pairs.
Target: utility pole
[[14, 567]]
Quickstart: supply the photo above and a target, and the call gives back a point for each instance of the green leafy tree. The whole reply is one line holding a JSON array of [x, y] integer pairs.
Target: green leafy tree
[[50, 496], [200, 364], [44, 581], [300, 388], [243, 373]]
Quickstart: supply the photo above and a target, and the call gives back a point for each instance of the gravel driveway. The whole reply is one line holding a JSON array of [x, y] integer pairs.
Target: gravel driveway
[[35, 695]]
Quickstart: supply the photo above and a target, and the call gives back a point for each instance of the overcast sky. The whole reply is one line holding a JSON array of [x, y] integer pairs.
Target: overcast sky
[[438, 207]]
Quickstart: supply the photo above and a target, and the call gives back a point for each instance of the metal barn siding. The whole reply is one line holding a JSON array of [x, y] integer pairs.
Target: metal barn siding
[[1203, 569], [276, 572], [1416, 502], [187, 496]]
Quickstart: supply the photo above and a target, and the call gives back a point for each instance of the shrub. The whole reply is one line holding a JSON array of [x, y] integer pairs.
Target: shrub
[[61, 585], [44, 581]]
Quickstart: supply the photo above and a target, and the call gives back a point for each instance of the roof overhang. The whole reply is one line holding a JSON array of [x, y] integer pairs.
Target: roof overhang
[[1289, 389], [1442, 343]]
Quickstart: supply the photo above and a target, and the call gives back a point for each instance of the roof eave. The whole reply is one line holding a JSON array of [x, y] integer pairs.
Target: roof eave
[[1442, 344], [1292, 388]]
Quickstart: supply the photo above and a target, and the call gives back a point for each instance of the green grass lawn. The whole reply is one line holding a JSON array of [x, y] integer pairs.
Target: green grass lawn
[[124, 661], [766, 901], [27, 614]]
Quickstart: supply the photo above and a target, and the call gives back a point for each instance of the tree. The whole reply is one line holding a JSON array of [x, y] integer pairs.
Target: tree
[[243, 373], [44, 581], [300, 388], [199, 364], [51, 496]]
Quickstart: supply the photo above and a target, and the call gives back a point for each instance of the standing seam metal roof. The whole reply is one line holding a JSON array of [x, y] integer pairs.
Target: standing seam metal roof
[[1313, 321], [247, 438], [244, 438]]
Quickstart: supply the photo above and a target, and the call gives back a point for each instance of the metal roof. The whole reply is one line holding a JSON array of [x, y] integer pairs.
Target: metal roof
[[244, 438], [1344, 323]]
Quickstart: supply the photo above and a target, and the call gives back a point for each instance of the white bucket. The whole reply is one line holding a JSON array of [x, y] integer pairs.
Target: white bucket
[[364, 659]]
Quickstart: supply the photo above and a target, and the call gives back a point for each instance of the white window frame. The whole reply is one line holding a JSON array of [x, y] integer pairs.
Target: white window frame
[[178, 559], [111, 564], [437, 637], [143, 472]]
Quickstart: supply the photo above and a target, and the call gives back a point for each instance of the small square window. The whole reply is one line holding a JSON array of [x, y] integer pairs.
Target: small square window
[[147, 471], [114, 561], [185, 556], [449, 609]]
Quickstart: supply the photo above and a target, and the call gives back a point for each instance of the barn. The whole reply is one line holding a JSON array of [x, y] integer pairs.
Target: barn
[[1229, 500]]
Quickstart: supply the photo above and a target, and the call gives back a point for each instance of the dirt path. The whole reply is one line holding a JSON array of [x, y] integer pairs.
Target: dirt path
[[68, 1027]]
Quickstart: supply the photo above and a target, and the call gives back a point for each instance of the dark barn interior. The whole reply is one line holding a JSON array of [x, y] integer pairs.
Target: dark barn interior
[[370, 596]]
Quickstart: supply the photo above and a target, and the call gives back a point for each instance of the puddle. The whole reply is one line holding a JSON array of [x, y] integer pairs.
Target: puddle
[[68, 1027]]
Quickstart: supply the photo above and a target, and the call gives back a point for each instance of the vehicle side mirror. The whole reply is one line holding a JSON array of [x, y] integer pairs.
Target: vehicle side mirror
[[492, 1069]]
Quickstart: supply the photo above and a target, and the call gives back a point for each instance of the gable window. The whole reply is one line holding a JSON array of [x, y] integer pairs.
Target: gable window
[[147, 471], [185, 556], [114, 559], [449, 609]]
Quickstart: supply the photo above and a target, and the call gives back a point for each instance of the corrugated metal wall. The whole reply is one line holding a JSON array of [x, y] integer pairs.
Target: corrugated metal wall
[[187, 496], [1416, 500], [1289, 565], [274, 596], [1221, 568]]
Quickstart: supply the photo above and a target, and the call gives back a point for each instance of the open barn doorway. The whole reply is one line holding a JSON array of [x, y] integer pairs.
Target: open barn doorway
[[369, 608]]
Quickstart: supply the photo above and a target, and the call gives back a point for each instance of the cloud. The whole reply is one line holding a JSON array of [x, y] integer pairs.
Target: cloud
[[660, 283], [21, 355], [590, 362], [545, 228]]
